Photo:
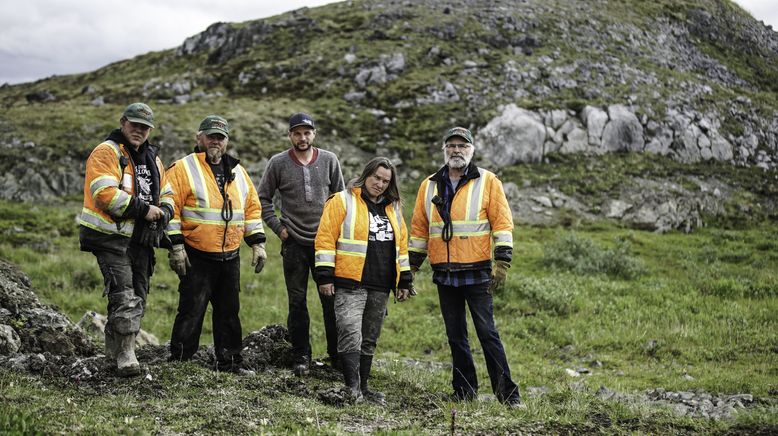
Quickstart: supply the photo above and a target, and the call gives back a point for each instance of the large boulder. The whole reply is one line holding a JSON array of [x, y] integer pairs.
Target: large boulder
[[516, 135], [623, 132]]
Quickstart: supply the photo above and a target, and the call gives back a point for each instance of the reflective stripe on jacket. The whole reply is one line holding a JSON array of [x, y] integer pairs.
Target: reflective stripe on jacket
[[341, 241], [199, 211], [108, 191], [481, 220]]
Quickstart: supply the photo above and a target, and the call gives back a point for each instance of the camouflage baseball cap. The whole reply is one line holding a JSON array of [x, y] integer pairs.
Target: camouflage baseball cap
[[215, 124], [139, 113], [459, 131]]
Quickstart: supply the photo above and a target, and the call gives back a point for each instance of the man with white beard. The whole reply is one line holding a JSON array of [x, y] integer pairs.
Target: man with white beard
[[461, 216], [216, 205]]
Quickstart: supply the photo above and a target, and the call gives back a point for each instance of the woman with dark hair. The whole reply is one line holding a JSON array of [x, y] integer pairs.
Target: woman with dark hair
[[362, 254]]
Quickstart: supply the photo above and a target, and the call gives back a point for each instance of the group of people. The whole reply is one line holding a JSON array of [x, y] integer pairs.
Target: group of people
[[351, 237]]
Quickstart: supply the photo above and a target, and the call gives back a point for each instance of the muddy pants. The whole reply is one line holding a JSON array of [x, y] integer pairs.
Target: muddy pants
[[126, 279], [217, 282], [298, 262], [359, 315]]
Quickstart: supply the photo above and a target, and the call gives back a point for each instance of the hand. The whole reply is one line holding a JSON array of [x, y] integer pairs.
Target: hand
[[284, 234], [150, 234], [258, 257], [403, 294], [499, 274], [154, 213], [327, 290], [179, 261]]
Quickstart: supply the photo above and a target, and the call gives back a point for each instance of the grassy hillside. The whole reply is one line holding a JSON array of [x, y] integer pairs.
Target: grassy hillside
[[638, 310]]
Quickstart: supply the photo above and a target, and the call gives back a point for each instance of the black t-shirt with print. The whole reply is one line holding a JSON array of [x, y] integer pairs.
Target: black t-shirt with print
[[380, 271]]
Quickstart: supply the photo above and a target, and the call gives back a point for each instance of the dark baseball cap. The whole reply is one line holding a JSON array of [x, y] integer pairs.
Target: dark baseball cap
[[301, 119], [139, 113], [215, 124]]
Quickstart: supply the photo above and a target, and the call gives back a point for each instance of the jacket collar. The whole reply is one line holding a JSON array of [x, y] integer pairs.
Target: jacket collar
[[471, 172]]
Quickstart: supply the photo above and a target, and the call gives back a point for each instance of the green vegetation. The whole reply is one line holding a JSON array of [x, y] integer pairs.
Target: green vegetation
[[648, 307]]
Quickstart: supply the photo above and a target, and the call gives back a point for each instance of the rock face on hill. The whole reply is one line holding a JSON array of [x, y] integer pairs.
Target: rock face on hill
[[691, 82]]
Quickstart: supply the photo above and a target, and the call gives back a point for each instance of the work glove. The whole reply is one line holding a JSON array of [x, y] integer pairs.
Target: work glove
[[258, 257], [499, 274], [179, 262], [150, 234]]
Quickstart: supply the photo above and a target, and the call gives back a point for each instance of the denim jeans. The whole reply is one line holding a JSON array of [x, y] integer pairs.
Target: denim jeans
[[218, 283], [298, 264], [464, 379], [359, 314]]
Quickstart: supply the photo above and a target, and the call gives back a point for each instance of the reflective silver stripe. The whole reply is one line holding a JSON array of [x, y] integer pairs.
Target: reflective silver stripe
[[243, 187], [169, 201], [102, 182], [174, 227], [254, 226], [94, 221], [405, 263], [324, 258], [475, 226], [210, 216], [475, 197], [166, 190], [418, 245], [432, 189], [503, 238], [196, 181], [349, 221], [119, 202], [351, 247]]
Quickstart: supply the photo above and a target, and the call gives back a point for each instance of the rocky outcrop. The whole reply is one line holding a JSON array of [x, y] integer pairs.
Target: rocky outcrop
[[37, 327], [519, 135]]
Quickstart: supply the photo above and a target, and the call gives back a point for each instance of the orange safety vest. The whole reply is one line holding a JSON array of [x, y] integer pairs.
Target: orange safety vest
[[108, 189], [480, 215], [198, 212], [341, 241]]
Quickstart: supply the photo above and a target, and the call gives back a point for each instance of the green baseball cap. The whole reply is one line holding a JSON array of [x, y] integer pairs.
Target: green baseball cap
[[459, 131], [215, 124], [139, 113]]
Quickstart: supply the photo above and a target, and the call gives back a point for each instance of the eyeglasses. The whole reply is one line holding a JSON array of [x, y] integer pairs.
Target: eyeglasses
[[455, 146]]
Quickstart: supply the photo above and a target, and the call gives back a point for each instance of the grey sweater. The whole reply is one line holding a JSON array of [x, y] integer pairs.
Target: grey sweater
[[302, 190]]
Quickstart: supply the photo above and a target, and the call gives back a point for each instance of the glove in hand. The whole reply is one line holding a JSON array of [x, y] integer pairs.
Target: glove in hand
[[150, 234], [258, 257], [179, 261], [499, 274]]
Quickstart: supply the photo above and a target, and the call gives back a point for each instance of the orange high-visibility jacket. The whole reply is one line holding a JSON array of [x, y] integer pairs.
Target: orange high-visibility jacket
[[201, 216], [341, 241], [481, 221], [109, 192]]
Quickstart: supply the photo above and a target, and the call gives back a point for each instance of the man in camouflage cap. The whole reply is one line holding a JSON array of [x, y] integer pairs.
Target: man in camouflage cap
[[122, 221], [215, 205]]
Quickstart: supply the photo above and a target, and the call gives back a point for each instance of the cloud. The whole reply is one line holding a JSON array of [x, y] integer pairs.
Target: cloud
[[45, 37]]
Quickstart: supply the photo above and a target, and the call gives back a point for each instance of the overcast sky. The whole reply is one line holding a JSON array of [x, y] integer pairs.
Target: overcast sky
[[40, 38]]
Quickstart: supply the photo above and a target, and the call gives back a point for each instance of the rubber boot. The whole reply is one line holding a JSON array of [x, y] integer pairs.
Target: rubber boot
[[126, 363], [365, 363], [110, 346], [350, 366]]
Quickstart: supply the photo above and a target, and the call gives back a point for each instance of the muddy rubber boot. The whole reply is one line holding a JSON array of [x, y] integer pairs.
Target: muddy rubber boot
[[110, 346], [375, 397], [350, 366], [126, 363]]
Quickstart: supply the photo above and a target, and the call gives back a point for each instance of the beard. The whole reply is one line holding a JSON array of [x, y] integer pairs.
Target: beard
[[456, 162], [214, 154], [302, 146]]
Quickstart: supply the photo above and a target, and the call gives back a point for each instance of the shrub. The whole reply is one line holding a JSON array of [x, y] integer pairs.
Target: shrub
[[582, 256], [549, 294]]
